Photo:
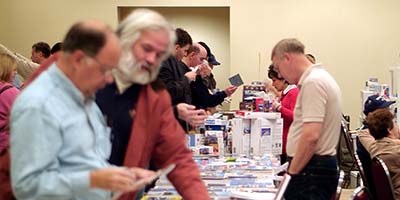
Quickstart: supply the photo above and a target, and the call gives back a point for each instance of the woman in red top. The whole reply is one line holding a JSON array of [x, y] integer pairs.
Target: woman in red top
[[285, 104]]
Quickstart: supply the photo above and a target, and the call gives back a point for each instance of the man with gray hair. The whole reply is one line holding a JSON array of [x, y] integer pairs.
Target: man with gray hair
[[138, 108], [314, 133]]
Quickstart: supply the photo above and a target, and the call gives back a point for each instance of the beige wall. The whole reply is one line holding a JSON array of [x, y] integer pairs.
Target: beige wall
[[207, 24], [355, 39]]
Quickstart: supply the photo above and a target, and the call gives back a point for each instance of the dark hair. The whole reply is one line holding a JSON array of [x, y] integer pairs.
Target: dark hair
[[273, 74], [56, 47], [379, 122], [311, 58], [42, 47], [81, 37], [182, 37]]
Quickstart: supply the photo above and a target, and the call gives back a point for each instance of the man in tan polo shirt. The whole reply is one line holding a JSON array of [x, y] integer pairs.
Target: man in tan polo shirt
[[314, 133]]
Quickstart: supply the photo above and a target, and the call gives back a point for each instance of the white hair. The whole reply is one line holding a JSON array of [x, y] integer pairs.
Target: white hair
[[141, 20]]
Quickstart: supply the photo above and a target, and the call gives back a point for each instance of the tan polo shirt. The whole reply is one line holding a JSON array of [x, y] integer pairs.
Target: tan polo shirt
[[319, 100]]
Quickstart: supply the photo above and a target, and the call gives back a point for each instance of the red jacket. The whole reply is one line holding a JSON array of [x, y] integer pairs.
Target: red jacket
[[158, 136], [288, 102]]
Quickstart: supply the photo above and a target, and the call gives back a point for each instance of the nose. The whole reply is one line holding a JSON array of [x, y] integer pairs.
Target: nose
[[152, 58]]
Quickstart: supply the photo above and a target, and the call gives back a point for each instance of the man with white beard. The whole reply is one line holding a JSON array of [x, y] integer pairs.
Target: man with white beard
[[138, 108]]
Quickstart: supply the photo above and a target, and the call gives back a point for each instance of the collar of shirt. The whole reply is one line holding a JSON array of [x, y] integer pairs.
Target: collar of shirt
[[288, 88], [307, 72]]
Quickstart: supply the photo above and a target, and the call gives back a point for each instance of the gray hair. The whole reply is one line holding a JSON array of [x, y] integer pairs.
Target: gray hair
[[141, 20], [289, 45]]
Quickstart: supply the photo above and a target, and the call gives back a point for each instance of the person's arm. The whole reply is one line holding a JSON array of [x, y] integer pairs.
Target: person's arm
[[313, 115], [171, 148], [202, 96], [366, 139], [176, 88], [189, 114], [305, 146], [36, 171]]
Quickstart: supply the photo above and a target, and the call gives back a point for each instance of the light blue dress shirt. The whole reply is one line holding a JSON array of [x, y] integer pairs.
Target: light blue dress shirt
[[57, 138]]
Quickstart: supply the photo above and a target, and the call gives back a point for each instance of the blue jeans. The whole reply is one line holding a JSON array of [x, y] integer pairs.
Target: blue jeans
[[318, 180]]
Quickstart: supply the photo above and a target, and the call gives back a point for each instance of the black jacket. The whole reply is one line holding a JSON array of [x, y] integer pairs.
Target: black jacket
[[172, 73]]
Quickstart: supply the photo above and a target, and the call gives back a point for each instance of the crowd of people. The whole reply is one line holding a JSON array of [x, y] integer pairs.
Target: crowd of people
[[102, 109]]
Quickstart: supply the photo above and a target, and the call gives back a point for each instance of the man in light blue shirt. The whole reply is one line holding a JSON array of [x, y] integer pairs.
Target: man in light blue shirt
[[59, 141]]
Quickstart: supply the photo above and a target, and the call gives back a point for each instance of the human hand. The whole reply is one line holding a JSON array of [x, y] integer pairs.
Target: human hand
[[276, 104], [230, 90], [118, 178], [189, 114], [191, 75], [204, 70]]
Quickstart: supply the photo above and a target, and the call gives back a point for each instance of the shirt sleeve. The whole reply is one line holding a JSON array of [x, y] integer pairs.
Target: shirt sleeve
[[314, 101], [36, 140]]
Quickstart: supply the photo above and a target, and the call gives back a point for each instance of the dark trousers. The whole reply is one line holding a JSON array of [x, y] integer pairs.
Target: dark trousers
[[318, 180]]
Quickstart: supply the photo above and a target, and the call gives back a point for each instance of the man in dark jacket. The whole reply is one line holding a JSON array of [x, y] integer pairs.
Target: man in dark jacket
[[177, 81]]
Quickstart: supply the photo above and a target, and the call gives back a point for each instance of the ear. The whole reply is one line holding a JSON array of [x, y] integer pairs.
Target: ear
[[78, 58], [191, 55], [286, 56], [177, 47]]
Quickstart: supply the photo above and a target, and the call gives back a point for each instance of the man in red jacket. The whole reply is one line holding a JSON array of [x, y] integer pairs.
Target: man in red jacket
[[138, 108]]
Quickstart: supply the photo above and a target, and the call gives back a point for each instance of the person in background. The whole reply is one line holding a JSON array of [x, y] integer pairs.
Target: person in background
[[138, 107], [315, 130], [209, 81], [365, 140], [40, 52], [177, 81], [57, 128], [384, 141], [25, 66], [285, 105], [201, 97], [56, 48], [8, 93]]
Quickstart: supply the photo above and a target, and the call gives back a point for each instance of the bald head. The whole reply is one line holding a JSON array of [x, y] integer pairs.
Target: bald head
[[195, 56]]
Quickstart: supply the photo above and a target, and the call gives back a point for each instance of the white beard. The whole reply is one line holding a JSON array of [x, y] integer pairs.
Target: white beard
[[132, 72]]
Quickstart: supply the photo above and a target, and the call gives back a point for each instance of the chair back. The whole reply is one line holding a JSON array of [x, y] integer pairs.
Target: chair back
[[346, 135], [336, 195], [382, 179], [361, 193], [364, 165], [282, 187]]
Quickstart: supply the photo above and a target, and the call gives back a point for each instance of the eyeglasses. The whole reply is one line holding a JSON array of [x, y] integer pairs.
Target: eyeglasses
[[105, 69]]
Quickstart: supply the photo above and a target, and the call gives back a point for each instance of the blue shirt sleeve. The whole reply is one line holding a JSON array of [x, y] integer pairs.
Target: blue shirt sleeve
[[36, 140]]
